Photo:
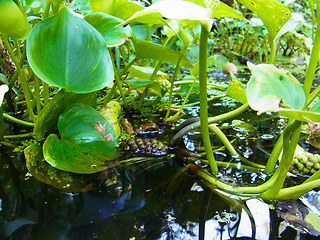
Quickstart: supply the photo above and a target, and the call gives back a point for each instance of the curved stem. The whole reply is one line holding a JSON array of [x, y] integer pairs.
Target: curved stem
[[203, 98], [310, 72], [290, 140], [16, 120], [273, 159], [218, 118]]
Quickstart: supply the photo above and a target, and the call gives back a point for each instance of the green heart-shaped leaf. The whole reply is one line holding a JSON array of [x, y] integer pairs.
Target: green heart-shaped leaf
[[108, 27], [65, 51], [83, 147], [268, 86]]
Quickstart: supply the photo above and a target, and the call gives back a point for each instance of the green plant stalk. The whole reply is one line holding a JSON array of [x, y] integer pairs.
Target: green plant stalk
[[47, 9], [273, 159], [45, 87], [197, 103], [273, 51], [203, 98], [23, 76], [216, 86], [225, 141], [16, 120], [24, 135], [292, 192], [37, 93], [218, 118], [183, 104], [117, 79], [173, 78], [290, 140], [256, 190], [310, 72]]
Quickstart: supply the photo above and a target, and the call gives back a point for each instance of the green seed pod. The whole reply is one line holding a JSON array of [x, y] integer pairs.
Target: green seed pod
[[313, 171], [306, 171], [295, 161], [12, 21], [317, 166], [300, 166], [309, 165]]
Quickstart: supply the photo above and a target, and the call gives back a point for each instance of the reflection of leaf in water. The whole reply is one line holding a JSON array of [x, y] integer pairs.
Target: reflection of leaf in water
[[299, 217]]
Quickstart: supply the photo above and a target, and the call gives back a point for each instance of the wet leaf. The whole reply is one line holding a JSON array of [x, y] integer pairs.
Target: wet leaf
[[145, 49], [48, 117], [299, 217], [108, 26], [81, 64], [273, 13], [268, 86], [111, 112], [44, 172], [82, 147], [13, 22]]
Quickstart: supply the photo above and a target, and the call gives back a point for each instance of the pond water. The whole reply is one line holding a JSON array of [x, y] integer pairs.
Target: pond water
[[155, 199]]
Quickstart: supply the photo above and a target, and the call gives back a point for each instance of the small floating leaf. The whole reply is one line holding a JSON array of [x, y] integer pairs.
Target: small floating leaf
[[82, 148], [41, 170]]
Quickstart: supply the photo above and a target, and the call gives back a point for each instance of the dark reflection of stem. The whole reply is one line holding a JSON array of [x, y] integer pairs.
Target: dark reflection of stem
[[203, 213], [15, 189]]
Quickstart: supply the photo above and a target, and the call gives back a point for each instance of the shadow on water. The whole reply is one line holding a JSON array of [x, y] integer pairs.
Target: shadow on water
[[160, 202]]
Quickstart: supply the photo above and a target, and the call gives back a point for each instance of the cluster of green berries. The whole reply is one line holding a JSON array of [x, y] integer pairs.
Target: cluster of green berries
[[305, 163], [164, 85]]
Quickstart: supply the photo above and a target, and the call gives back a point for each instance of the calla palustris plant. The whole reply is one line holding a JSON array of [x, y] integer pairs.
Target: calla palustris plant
[[67, 52]]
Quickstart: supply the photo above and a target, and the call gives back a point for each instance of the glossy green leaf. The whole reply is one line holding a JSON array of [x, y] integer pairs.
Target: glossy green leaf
[[175, 9], [222, 10], [67, 52], [268, 86], [108, 27], [273, 13], [44, 172], [119, 8], [47, 119], [101, 5], [12, 21], [83, 147], [315, 107], [145, 49]]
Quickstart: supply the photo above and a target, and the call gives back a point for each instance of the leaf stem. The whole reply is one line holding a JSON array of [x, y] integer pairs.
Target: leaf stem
[[203, 98]]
